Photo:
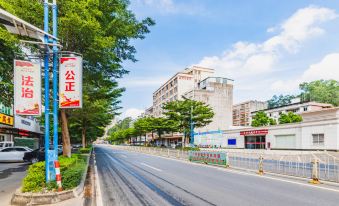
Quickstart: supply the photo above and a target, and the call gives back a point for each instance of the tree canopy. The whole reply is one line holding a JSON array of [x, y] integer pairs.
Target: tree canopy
[[324, 91], [181, 112], [290, 117], [101, 30], [281, 100], [261, 119]]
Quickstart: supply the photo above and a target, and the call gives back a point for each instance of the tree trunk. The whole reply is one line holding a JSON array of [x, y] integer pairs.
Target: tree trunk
[[83, 137], [66, 142]]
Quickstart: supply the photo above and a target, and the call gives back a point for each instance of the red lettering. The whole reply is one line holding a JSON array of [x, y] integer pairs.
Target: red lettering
[[26, 93], [70, 75], [70, 86], [27, 81]]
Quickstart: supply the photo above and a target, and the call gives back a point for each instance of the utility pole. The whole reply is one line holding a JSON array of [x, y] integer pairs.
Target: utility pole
[[46, 67], [55, 78]]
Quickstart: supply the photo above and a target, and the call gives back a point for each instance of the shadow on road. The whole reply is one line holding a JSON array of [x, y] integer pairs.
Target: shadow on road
[[8, 172]]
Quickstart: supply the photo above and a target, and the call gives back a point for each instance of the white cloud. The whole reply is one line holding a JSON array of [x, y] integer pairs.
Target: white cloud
[[327, 68], [132, 112], [247, 59]]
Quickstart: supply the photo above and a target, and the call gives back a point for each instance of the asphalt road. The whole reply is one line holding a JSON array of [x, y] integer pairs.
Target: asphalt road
[[11, 175], [128, 178]]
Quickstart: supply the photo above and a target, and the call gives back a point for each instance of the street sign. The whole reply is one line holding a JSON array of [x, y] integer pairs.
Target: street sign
[[52, 156], [70, 82], [27, 88]]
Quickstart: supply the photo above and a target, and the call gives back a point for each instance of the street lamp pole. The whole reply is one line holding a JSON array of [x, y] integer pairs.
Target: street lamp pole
[[55, 79], [192, 127], [46, 67]]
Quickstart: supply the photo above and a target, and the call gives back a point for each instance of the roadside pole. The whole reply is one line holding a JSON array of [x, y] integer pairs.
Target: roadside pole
[[46, 67], [55, 79]]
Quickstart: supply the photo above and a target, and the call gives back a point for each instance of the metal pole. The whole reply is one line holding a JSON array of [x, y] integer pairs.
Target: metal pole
[[192, 127], [46, 93], [55, 80]]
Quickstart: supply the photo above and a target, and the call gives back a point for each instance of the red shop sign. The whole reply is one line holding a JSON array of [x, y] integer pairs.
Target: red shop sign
[[260, 131]]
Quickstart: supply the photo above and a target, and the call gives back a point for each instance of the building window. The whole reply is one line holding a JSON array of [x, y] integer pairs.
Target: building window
[[318, 139]]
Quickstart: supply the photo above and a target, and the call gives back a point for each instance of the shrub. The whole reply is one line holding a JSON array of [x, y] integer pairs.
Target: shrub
[[85, 150], [35, 179], [71, 172], [191, 149]]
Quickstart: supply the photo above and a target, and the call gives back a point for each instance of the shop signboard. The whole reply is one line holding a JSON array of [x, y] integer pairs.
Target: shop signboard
[[27, 88], [254, 132], [215, 158], [6, 119], [70, 82]]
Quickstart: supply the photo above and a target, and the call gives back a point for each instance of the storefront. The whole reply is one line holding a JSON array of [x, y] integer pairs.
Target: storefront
[[319, 130], [255, 139], [6, 123]]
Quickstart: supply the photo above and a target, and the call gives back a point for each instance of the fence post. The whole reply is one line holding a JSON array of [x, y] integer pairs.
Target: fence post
[[261, 165], [315, 174]]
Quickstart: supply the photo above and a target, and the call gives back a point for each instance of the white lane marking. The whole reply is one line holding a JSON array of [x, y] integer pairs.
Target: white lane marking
[[124, 156], [159, 170], [97, 186]]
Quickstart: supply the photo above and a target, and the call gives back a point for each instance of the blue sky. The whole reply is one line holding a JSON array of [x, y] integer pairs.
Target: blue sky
[[268, 47]]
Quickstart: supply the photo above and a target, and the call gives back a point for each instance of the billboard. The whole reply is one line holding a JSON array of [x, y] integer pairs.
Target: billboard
[[70, 82], [27, 88]]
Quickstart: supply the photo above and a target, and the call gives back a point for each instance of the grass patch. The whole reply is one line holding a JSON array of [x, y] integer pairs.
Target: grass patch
[[71, 169]]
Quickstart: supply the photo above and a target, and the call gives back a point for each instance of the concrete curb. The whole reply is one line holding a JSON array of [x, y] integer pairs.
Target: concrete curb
[[30, 198]]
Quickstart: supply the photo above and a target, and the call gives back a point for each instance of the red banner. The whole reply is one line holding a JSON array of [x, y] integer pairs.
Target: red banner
[[251, 132]]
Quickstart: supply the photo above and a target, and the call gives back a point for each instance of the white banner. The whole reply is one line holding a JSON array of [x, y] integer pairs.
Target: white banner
[[27, 88], [70, 82]]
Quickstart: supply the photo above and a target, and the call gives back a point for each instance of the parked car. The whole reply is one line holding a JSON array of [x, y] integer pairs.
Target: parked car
[[6, 144], [13, 154], [37, 155]]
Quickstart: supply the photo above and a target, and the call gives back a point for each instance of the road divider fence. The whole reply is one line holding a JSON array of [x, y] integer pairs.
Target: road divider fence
[[320, 166]]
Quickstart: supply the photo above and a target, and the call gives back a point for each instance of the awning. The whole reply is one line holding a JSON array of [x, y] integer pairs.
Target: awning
[[18, 26]]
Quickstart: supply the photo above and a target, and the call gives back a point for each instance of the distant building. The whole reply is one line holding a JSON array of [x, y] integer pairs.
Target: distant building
[[296, 107], [319, 130], [217, 92], [194, 83], [242, 112], [176, 86]]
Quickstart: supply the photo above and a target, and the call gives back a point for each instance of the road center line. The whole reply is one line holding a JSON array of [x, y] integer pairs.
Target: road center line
[[159, 170]]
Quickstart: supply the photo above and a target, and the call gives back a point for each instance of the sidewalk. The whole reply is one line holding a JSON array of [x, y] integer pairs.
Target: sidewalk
[[71, 202]]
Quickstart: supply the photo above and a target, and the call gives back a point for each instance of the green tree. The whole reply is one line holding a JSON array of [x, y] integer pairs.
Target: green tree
[[101, 30], [261, 119], [281, 100], [324, 91], [181, 112], [290, 117], [120, 125]]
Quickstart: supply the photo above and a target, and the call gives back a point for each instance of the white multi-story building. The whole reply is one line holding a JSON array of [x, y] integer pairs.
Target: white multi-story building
[[297, 108], [178, 85], [242, 112], [195, 83], [217, 92]]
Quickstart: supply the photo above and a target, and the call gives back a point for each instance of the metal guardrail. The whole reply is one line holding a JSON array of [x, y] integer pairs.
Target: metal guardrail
[[296, 164]]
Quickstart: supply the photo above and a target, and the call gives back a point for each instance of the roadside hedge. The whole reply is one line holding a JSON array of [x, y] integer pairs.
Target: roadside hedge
[[191, 149], [71, 170], [85, 150]]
